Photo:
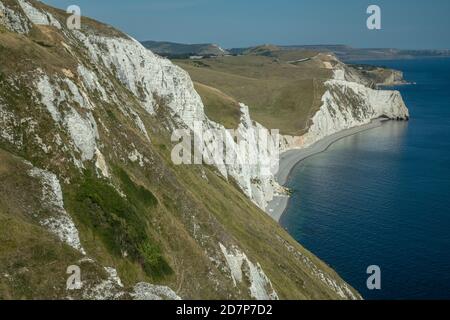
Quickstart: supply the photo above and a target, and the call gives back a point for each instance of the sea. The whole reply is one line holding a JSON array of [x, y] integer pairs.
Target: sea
[[382, 197]]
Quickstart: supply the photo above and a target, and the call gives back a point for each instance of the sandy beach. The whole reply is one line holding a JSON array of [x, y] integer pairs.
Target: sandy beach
[[291, 158]]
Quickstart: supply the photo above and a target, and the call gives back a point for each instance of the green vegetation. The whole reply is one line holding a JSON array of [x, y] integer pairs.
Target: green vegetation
[[155, 222], [40, 49], [267, 50], [137, 195], [219, 107], [280, 94], [121, 223], [32, 262]]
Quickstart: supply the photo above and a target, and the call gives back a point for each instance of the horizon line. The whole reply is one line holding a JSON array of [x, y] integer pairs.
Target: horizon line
[[296, 45]]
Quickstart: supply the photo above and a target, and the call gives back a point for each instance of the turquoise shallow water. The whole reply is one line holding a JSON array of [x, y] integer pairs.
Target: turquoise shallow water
[[382, 197]]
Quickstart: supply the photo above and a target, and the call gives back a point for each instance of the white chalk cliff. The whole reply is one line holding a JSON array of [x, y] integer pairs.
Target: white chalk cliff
[[160, 87], [346, 103], [151, 77], [156, 84]]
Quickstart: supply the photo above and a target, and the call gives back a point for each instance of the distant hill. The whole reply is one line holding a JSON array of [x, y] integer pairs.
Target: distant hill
[[279, 53], [347, 53], [263, 50], [343, 52], [180, 50]]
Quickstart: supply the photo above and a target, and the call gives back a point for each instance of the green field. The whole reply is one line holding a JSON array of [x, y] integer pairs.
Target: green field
[[281, 93]]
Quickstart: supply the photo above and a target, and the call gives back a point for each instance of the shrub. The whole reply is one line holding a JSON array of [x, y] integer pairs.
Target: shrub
[[120, 223]]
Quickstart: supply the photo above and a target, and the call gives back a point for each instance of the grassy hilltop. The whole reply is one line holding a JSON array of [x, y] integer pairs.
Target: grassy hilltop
[[267, 79]]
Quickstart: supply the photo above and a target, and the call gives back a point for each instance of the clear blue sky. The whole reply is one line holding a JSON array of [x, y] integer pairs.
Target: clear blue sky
[[411, 24]]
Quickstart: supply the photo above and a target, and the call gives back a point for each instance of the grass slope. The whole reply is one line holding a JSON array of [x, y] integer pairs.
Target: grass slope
[[282, 94], [158, 222]]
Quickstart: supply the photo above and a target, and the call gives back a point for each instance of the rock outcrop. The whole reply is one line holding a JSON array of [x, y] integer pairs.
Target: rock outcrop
[[348, 104]]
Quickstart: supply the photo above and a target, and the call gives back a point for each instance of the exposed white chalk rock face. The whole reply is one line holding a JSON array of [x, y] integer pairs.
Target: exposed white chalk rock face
[[8, 123], [349, 104], [48, 97], [240, 266], [13, 20], [256, 159], [60, 223], [72, 99], [92, 82], [100, 163], [136, 156], [60, 103], [345, 73], [156, 82], [147, 76], [110, 288], [341, 289], [37, 16], [78, 96], [83, 131], [147, 291], [113, 275], [139, 123]]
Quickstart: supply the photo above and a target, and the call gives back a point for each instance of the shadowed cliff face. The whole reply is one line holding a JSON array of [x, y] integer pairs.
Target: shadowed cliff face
[[88, 180]]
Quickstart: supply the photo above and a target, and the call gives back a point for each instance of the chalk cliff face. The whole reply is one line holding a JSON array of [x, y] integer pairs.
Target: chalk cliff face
[[379, 76], [85, 127], [348, 104], [154, 79], [393, 77], [350, 100]]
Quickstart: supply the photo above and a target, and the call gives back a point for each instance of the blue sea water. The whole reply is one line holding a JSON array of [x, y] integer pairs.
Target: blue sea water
[[382, 197]]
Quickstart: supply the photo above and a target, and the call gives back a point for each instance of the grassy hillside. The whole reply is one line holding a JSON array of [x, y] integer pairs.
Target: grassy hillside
[[151, 220], [282, 88], [219, 107], [380, 75]]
